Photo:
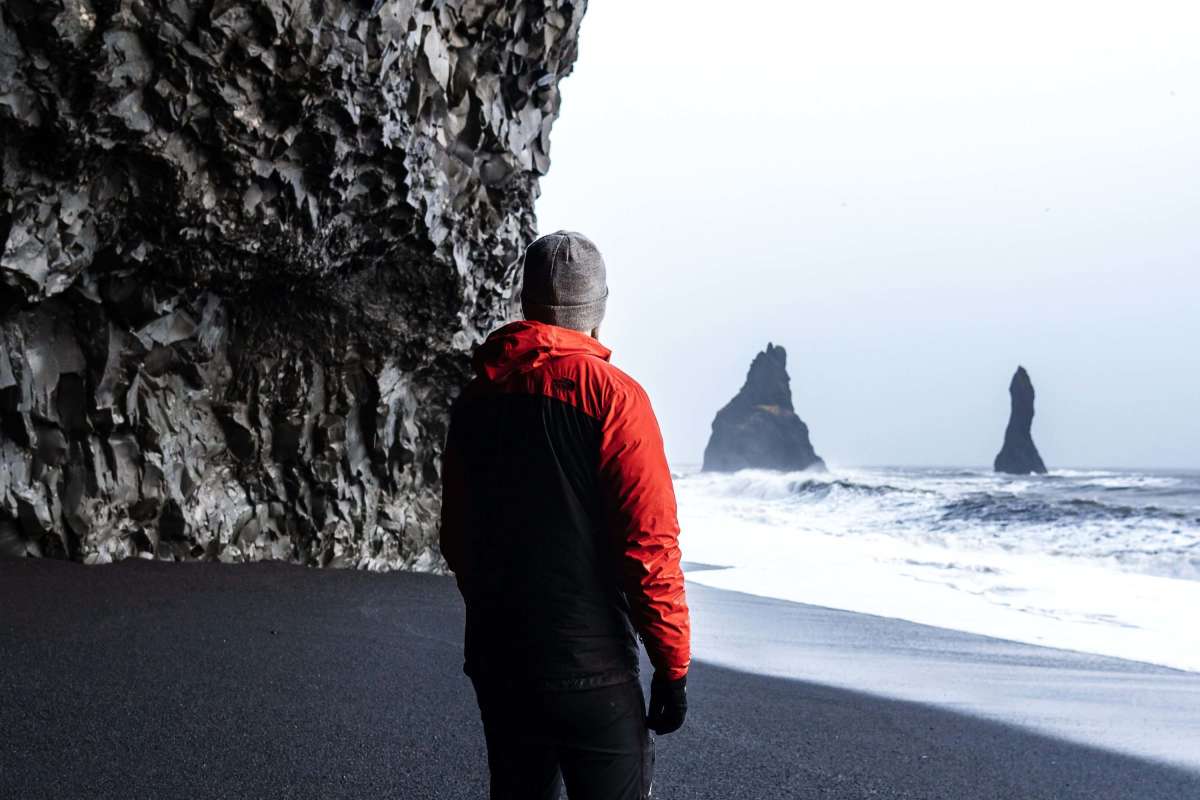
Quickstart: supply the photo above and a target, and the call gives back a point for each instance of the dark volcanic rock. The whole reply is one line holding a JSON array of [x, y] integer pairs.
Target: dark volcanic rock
[[245, 248], [759, 428], [1019, 456]]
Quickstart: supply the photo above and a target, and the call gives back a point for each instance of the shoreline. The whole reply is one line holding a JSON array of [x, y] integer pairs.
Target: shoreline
[[1132, 707], [1088, 564], [693, 567], [145, 679]]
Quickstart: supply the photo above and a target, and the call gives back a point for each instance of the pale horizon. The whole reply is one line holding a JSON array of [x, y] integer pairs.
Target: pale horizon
[[912, 201]]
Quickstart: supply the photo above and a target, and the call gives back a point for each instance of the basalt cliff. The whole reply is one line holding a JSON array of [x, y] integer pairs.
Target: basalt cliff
[[1019, 455], [759, 428], [245, 249]]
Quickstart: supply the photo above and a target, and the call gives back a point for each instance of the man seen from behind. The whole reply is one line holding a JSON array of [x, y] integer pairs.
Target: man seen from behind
[[559, 522]]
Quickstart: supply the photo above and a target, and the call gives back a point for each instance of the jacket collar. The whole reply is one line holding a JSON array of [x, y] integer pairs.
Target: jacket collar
[[526, 345]]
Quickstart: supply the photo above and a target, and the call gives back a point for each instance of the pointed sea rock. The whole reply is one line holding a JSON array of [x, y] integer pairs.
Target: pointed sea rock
[[759, 428], [1019, 455]]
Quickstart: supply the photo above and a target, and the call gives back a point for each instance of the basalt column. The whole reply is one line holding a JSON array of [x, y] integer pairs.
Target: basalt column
[[245, 249]]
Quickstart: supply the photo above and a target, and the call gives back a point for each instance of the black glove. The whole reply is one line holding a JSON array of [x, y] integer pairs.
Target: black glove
[[668, 705]]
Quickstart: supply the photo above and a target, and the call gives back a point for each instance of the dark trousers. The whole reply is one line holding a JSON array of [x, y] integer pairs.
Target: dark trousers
[[594, 740]]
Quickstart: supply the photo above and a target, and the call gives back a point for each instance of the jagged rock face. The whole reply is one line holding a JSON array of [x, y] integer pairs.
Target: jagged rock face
[[759, 428], [245, 248], [1019, 455]]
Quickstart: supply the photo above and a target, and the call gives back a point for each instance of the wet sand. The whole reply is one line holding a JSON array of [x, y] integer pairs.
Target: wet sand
[[1125, 706]]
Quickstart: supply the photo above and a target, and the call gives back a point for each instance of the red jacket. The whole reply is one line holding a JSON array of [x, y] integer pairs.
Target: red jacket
[[558, 515]]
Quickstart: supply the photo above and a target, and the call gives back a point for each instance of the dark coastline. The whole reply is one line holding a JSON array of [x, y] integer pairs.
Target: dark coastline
[[267, 680]]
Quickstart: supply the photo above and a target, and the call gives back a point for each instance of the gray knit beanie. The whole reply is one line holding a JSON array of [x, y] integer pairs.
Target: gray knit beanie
[[565, 282]]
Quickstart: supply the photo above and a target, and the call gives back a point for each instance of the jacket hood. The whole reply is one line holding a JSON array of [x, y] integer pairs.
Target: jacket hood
[[526, 345]]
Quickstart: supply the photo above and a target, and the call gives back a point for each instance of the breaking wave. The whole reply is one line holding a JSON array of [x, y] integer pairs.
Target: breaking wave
[[1096, 550]]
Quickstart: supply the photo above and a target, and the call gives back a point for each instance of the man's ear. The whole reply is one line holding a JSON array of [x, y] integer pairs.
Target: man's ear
[[595, 334]]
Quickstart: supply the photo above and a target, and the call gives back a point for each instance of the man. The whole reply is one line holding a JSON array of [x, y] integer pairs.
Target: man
[[559, 521]]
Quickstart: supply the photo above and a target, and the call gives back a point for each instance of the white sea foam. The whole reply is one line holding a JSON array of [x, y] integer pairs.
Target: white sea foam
[[1096, 561]]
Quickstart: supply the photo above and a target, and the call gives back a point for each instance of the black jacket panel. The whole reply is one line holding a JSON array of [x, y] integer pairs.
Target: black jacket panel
[[539, 575]]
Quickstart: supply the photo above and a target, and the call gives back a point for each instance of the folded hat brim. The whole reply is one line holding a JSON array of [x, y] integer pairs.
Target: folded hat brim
[[581, 317]]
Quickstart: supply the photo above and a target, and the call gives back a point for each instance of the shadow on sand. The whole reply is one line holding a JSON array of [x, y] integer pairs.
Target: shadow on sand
[[267, 680]]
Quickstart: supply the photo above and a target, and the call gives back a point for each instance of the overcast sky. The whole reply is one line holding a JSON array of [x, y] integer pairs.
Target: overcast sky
[[913, 198]]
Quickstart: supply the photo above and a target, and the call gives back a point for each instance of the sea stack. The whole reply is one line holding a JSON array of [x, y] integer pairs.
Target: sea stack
[[759, 428], [1019, 455]]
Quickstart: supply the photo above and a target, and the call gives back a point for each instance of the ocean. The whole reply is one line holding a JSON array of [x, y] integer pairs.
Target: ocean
[[1098, 561]]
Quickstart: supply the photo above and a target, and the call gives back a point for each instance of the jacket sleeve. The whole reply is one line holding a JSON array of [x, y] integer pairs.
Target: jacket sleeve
[[452, 533], [641, 510]]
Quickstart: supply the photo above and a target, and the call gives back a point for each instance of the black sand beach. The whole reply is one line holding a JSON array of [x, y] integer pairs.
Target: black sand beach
[[147, 680]]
